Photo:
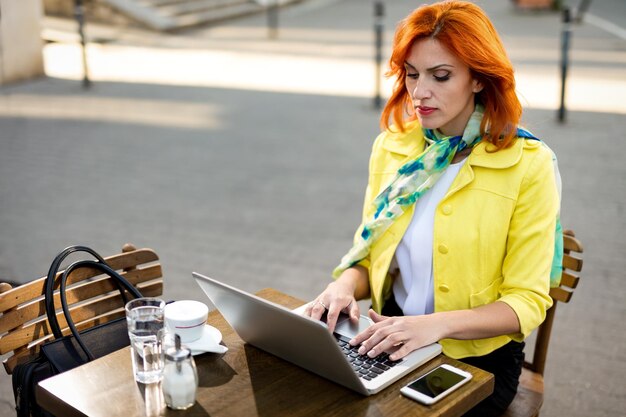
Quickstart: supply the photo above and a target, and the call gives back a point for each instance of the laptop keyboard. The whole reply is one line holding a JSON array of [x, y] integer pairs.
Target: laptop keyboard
[[366, 367]]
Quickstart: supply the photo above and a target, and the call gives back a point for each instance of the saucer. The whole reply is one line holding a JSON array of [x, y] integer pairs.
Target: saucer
[[208, 342]]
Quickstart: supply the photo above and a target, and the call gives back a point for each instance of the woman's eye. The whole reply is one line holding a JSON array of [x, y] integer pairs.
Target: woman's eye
[[412, 75], [442, 77]]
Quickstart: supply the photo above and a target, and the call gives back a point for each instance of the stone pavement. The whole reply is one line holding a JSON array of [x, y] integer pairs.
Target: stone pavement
[[245, 158]]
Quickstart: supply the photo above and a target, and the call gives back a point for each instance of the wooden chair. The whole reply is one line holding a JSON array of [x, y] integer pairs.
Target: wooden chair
[[529, 398], [92, 298]]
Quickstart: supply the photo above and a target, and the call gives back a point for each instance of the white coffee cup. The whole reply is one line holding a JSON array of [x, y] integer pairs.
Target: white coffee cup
[[186, 318]]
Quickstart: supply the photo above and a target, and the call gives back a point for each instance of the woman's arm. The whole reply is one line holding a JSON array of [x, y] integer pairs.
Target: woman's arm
[[413, 332]]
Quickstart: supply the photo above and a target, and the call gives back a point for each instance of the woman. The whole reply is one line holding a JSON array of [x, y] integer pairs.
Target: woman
[[457, 238]]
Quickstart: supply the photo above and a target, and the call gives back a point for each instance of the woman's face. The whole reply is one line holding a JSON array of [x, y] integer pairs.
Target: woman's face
[[440, 86]]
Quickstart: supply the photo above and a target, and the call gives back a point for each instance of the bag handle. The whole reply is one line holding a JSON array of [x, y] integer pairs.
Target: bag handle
[[103, 267], [49, 283]]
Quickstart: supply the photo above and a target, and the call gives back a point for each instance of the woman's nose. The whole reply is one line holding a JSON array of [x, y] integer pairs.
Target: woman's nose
[[420, 91]]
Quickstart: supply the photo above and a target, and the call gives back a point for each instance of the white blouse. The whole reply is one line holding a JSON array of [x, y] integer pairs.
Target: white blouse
[[413, 288]]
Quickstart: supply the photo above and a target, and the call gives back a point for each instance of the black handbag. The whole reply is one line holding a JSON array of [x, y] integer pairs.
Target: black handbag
[[67, 352]]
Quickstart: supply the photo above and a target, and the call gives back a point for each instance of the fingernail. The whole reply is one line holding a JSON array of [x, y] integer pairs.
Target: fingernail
[[362, 350], [371, 353], [352, 342]]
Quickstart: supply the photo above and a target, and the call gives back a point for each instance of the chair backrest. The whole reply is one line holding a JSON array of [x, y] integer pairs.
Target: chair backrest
[[572, 265], [92, 298]]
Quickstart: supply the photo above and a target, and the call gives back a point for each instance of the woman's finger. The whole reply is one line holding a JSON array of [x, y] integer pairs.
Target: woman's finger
[[354, 311], [377, 333], [386, 340], [403, 350], [376, 317], [317, 310]]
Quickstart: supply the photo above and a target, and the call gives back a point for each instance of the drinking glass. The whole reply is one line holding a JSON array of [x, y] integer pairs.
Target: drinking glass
[[144, 317]]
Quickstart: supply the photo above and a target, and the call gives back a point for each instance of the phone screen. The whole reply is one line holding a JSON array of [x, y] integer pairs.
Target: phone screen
[[436, 382]]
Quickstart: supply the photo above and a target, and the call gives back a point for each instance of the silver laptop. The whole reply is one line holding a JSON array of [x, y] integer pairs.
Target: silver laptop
[[308, 343]]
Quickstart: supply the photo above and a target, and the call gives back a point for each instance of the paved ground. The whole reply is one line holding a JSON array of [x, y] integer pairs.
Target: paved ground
[[245, 158]]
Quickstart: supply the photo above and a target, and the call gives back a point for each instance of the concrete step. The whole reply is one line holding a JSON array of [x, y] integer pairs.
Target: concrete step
[[161, 2], [170, 15], [198, 6], [216, 14]]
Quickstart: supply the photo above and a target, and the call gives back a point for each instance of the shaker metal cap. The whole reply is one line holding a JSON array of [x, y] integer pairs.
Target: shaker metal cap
[[178, 353]]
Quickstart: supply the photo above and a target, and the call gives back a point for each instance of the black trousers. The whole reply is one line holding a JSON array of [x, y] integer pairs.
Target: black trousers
[[505, 363]]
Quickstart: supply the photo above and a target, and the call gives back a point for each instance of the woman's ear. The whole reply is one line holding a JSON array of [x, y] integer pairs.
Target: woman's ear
[[477, 86]]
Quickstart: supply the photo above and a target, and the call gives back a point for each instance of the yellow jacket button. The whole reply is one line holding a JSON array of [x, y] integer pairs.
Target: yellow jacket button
[[444, 288], [447, 209], [443, 249]]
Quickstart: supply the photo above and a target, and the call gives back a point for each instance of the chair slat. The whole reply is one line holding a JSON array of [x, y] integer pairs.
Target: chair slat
[[572, 263], [569, 280], [151, 289], [22, 337], [85, 291], [570, 243], [34, 289], [25, 313], [20, 315], [560, 294], [80, 313]]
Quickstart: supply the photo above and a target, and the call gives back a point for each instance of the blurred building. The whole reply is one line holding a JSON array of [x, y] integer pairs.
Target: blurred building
[[20, 40]]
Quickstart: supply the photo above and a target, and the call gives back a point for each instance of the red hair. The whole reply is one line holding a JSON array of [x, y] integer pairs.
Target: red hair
[[466, 31]]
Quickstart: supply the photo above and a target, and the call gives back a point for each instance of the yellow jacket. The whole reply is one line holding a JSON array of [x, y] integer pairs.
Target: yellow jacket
[[493, 232]]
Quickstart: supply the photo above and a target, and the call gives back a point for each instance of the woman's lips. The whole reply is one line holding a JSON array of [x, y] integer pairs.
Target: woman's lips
[[424, 110]]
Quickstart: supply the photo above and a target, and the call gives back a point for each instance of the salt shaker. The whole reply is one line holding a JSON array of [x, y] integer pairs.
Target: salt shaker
[[180, 377]]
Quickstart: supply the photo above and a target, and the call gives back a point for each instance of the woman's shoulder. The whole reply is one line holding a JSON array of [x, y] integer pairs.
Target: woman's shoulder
[[536, 148], [400, 141], [521, 152]]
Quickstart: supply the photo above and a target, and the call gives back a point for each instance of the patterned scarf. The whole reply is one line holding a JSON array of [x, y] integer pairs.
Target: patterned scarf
[[412, 180]]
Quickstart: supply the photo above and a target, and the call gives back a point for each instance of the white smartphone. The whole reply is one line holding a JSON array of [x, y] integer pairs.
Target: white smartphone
[[436, 384]]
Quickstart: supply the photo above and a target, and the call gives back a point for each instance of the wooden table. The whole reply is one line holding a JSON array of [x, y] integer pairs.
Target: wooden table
[[243, 382]]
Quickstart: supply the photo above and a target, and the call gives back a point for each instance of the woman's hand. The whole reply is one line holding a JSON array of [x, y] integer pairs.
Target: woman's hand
[[337, 298], [400, 335], [340, 296], [403, 335]]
